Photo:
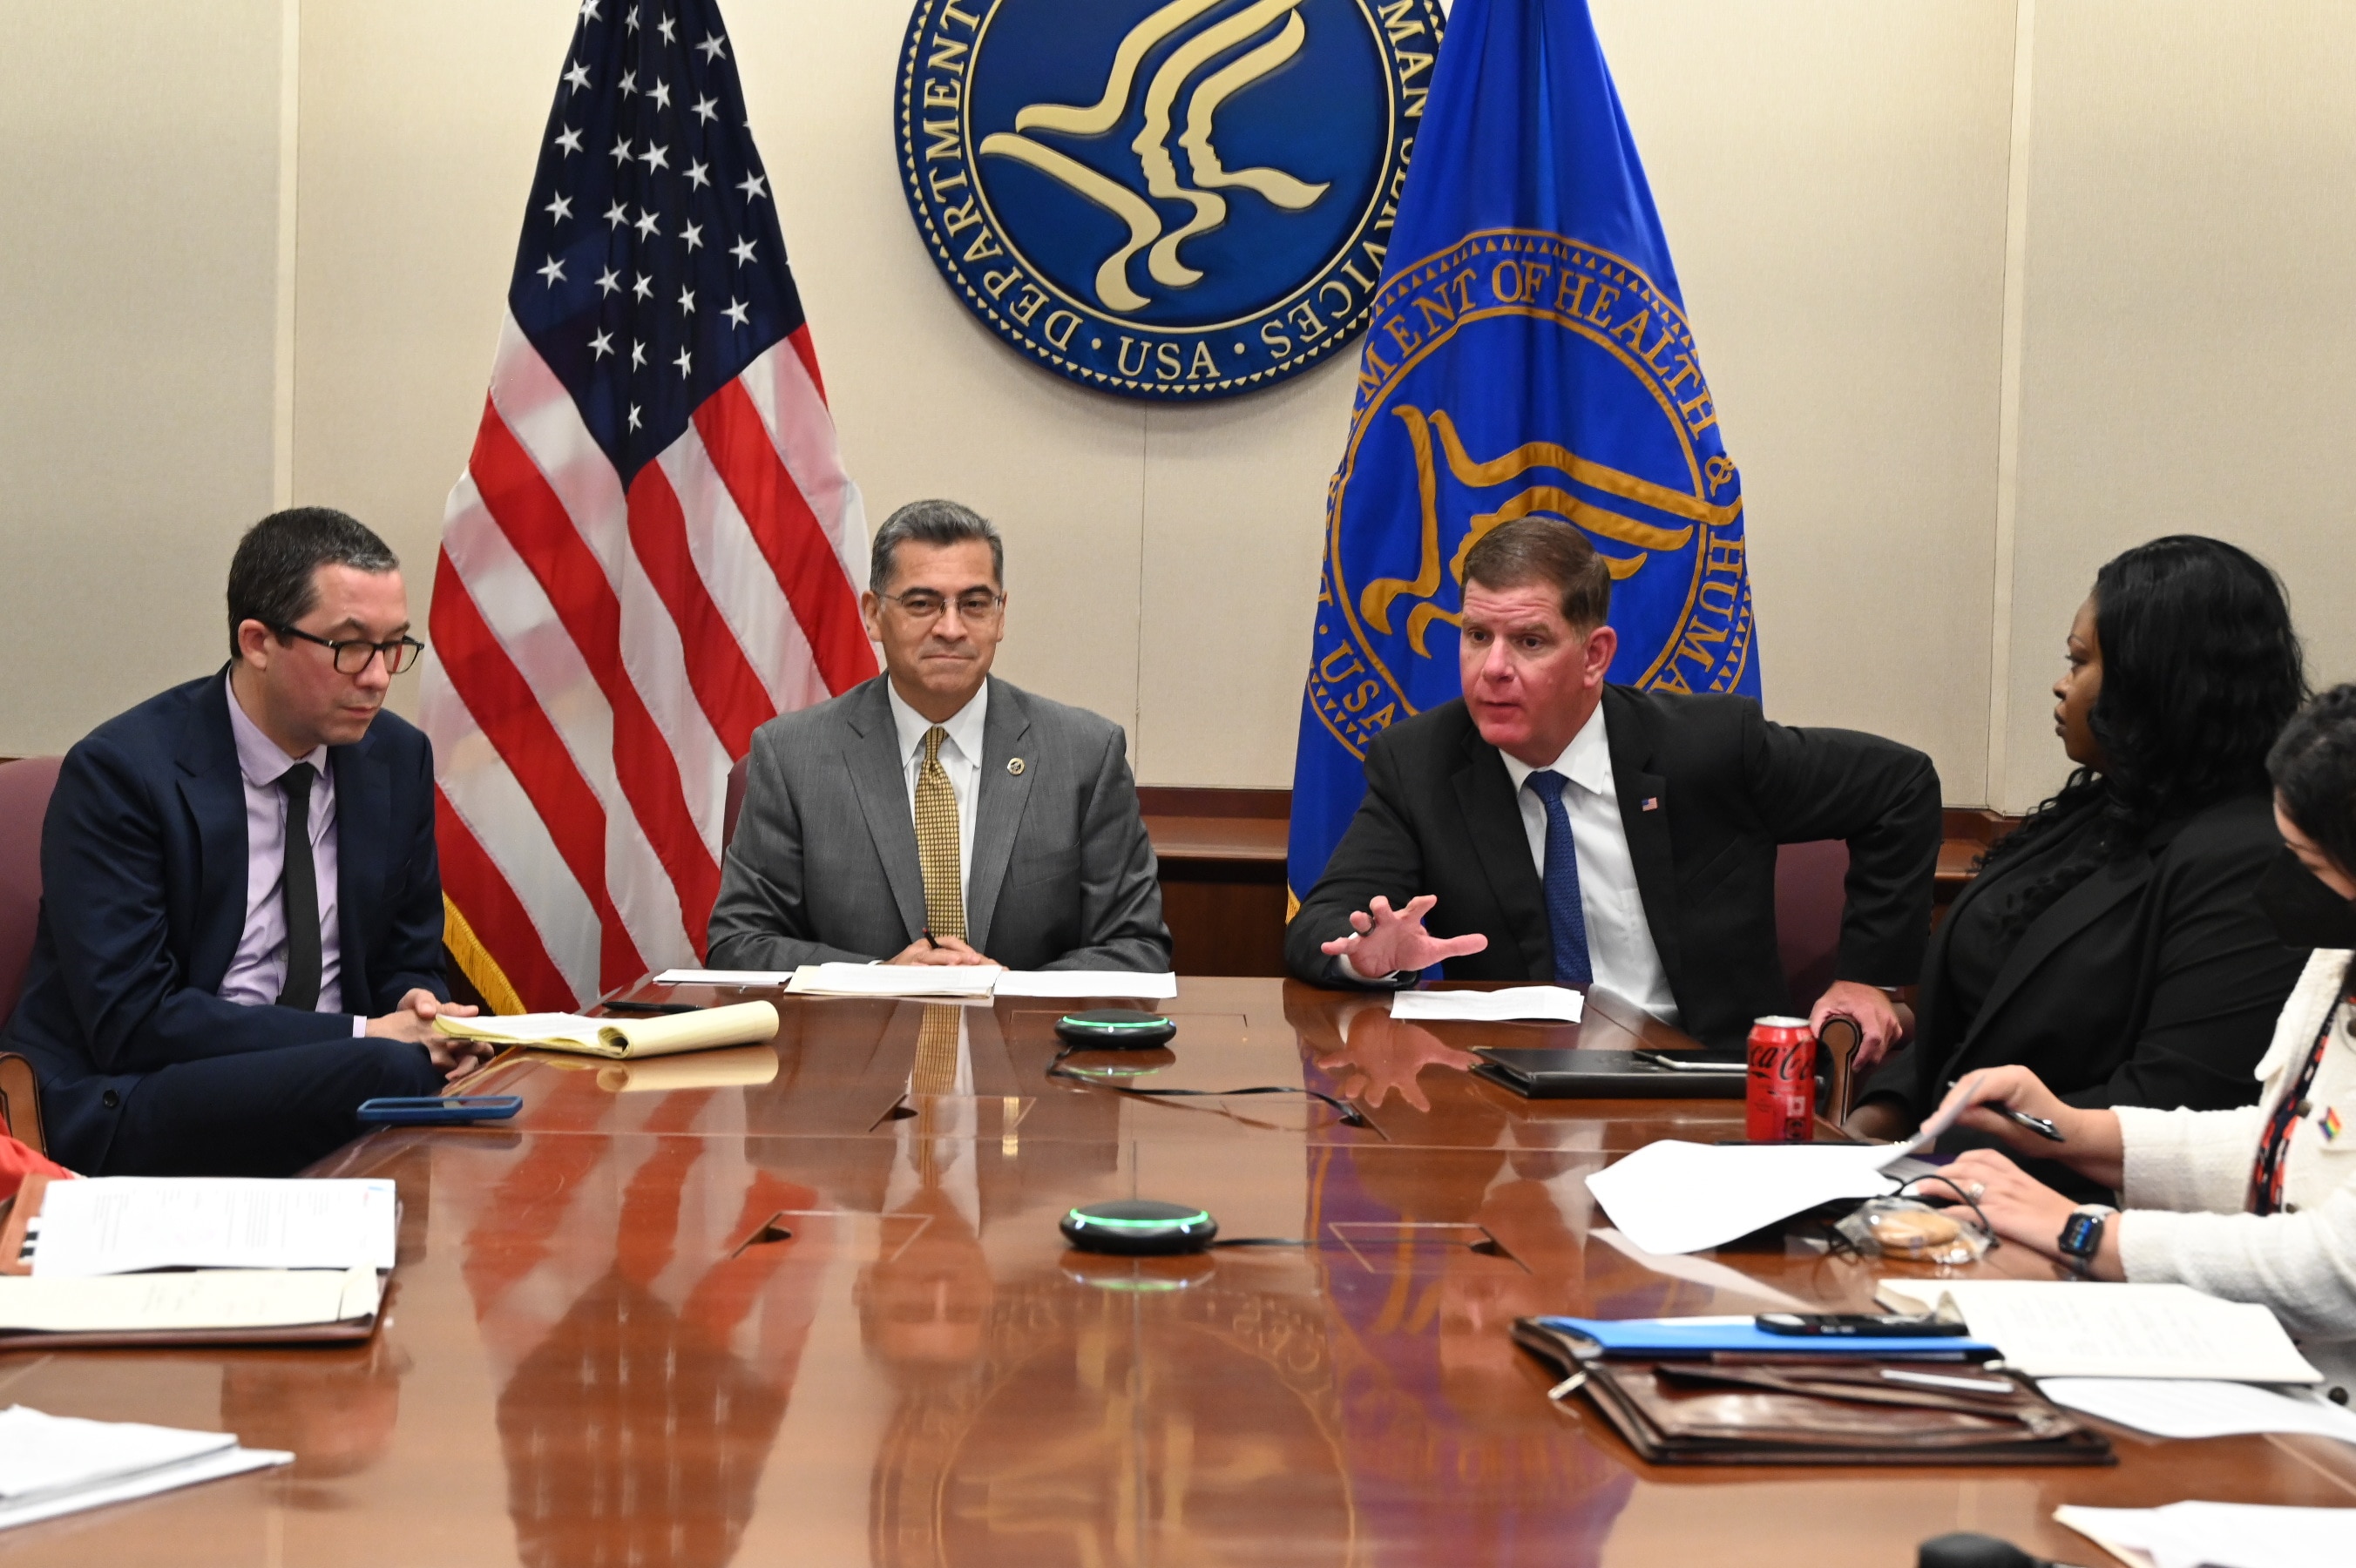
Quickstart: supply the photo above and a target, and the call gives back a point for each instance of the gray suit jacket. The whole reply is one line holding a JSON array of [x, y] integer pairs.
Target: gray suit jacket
[[823, 867]]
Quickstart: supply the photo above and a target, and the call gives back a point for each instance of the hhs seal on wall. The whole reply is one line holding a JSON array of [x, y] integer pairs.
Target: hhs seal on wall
[[1163, 199]]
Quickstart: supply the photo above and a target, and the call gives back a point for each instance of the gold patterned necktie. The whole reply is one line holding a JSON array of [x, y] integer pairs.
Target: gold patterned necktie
[[936, 843]]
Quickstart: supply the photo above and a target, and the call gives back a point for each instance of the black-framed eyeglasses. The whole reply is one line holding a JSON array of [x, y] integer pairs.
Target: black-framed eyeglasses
[[352, 654], [924, 604]]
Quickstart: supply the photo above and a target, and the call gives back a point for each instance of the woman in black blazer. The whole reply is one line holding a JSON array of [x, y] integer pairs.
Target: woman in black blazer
[[2112, 943]]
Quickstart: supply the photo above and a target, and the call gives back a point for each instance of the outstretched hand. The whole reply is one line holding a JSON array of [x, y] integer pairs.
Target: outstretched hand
[[1384, 941]]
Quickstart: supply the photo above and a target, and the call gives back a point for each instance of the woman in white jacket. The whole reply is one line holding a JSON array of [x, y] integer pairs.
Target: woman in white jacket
[[2256, 1204]]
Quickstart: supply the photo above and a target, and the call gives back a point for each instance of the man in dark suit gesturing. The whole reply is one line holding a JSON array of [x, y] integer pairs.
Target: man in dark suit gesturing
[[1551, 826], [241, 931], [936, 815]]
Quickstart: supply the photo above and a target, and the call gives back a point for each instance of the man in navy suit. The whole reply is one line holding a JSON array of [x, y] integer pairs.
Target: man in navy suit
[[241, 931]]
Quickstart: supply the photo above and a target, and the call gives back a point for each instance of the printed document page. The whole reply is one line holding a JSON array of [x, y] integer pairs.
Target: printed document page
[[1129, 985], [2190, 1407], [122, 1224], [2217, 1535], [913, 980], [1671, 1197], [723, 976], [2077, 1329], [185, 1302], [1553, 1004]]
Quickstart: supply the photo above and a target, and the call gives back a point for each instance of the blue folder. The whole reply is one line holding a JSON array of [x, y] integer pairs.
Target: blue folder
[[1672, 1337]]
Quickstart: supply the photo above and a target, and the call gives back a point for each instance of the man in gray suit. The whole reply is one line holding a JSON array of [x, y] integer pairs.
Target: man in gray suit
[[934, 815]]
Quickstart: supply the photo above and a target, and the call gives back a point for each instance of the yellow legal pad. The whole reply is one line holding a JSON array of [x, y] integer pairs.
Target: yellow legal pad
[[624, 1040]]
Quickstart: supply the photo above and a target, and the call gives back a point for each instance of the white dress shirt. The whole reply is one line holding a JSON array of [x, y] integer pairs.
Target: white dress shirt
[[961, 759], [1619, 943], [257, 971]]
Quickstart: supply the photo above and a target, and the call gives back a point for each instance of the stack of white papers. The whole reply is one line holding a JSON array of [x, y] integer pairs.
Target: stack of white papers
[[51, 1465], [188, 1301], [1126, 984], [1555, 1004], [723, 976], [924, 980], [2217, 1535], [2080, 1329], [2190, 1407], [1671, 1197], [123, 1224], [949, 980]]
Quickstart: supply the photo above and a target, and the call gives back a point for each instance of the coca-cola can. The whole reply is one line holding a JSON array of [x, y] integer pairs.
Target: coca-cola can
[[1781, 1088]]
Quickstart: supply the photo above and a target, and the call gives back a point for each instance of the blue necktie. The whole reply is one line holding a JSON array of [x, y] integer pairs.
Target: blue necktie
[[1566, 917]]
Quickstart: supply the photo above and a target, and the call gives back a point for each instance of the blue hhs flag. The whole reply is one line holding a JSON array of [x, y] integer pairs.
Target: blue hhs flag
[[1529, 357]]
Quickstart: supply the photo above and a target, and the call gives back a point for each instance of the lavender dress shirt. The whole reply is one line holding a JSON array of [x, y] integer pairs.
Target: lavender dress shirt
[[258, 971]]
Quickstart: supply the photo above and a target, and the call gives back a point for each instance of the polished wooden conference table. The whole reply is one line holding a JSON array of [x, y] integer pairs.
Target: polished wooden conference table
[[762, 1306]]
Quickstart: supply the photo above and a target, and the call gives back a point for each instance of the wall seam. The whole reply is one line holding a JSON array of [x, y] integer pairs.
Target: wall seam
[[290, 119], [1144, 517], [2007, 460]]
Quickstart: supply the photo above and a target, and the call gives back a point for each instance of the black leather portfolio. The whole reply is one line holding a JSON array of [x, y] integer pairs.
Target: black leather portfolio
[[1611, 1074]]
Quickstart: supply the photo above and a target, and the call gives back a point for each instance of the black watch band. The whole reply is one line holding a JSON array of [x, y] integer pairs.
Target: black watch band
[[2082, 1235]]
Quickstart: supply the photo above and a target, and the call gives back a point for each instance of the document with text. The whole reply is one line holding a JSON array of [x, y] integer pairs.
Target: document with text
[[122, 1224], [2075, 1328], [196, 1301]]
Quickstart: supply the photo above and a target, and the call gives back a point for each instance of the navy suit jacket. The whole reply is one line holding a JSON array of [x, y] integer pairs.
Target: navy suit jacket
[[142, 900]]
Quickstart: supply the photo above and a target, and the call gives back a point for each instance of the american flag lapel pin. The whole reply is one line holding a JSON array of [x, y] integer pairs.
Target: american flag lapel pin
[[1650, 802]]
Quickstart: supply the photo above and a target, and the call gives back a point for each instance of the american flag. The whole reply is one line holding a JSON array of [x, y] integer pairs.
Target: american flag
[[653, 548]]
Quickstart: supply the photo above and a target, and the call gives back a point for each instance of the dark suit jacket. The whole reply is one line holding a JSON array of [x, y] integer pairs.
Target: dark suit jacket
[[143, 878], [1440, 816], [823, 867], [2154, 982]]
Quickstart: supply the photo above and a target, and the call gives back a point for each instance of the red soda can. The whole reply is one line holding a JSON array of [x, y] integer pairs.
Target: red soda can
[[1782, 1087]]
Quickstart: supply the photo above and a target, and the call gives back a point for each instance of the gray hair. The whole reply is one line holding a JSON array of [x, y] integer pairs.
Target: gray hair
[[933, 523]]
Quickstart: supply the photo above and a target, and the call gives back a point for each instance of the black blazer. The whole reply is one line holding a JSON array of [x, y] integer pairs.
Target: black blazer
[[1440, 817], [2154, 982], [142, 900]]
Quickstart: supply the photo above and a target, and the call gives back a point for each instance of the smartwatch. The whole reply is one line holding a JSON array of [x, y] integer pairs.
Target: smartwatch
[[2082, 1236]]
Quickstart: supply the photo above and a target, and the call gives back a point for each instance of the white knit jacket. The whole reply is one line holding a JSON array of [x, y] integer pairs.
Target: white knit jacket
[[2188, 1186]]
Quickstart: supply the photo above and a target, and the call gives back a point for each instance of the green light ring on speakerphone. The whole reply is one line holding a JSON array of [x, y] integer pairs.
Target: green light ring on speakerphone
[[1158, 1225]]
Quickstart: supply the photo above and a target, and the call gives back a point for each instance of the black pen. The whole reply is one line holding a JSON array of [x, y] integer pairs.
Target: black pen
[[2038, 1124], [928, 940], [652, 1007]]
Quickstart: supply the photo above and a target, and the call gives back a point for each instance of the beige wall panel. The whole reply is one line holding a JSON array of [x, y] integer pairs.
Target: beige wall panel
[[420, 129], [1831, 176], [137, 287], [1234, 526], [2189, 330]]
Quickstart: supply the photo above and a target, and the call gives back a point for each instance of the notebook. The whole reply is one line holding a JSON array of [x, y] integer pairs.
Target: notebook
[[622, 1039]]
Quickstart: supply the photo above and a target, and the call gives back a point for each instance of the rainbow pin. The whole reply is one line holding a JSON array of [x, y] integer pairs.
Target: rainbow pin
[[2329, 1125]]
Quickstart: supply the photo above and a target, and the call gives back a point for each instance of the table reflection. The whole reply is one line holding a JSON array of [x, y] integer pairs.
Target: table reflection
[[649, 1357]]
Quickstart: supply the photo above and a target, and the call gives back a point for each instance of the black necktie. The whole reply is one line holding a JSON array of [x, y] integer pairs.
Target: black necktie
[[299, 887]]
